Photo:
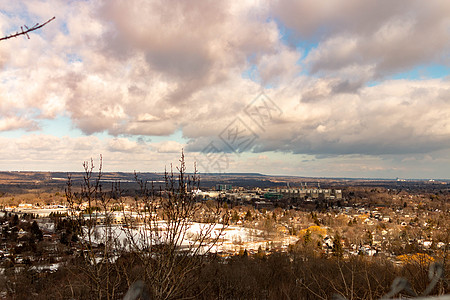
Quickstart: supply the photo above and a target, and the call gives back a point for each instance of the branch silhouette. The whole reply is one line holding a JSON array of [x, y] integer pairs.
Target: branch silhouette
[[25, 32]]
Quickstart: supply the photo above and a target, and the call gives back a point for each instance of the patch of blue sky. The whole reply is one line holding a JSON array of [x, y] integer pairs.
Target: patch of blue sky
[[73, 58], [251, 73], [7, 14], [421, 72], [23, 18], [9, 79], [374, 83], [17, 10], [64, 28], [431, 71], [13, 134], [60, 126], [303, 45], [291, 39]]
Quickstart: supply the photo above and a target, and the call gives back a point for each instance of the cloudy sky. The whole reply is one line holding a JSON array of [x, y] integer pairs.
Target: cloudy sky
[[334, 88]]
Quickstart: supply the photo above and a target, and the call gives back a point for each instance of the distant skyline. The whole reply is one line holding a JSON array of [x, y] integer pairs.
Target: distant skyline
[[322, 88]]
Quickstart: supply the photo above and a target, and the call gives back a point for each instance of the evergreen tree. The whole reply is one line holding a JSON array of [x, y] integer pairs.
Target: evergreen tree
[[337, 249], [36, 231]]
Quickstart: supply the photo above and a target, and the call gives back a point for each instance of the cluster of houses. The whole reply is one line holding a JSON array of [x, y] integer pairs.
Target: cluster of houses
[[382, 223], [268, 198]]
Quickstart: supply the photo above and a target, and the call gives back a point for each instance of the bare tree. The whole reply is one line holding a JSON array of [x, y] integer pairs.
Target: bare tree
[[90, 211], [161, 232], [158, 242]]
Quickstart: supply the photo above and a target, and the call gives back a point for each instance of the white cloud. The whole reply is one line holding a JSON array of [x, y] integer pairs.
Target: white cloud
[[154, 67], [124, 145], [167, 147], [14, 122]]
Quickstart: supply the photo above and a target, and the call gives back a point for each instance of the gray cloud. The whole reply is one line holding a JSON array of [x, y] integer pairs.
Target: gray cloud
[[395, 117], [386, 37]]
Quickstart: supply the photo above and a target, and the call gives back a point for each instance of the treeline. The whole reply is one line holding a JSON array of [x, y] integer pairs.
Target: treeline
[[278, 276]]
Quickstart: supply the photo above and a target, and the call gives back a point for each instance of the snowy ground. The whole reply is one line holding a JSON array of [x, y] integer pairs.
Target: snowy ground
[[231, 240]]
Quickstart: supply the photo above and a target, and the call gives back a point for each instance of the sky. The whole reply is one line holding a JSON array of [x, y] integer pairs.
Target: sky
[[328, 88]]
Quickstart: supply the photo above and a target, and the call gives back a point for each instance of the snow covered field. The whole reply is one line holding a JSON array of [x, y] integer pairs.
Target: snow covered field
[[232, 238]]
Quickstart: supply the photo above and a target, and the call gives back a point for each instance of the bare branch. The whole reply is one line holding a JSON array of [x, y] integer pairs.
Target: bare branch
[[26, 31]]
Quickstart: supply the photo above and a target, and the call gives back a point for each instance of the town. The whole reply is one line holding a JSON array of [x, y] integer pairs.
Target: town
[[39, 234]]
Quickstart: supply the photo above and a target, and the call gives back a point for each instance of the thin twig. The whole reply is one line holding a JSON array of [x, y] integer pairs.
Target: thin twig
[[25, 32]]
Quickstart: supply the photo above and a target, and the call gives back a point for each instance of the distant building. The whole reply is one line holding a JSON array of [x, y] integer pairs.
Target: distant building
[[223, 187], [313, 193], [273, 196]]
